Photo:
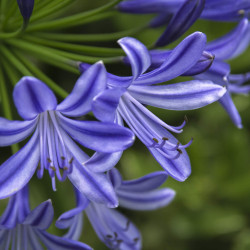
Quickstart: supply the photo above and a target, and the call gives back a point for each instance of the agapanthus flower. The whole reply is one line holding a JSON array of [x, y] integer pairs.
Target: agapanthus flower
[[112, 227], [26, 8], [227, 47], [51, 147], [21, 228], [180, 15], [126, 97]]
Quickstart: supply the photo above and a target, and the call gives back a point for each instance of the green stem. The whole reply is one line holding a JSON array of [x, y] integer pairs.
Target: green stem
[[73, 20], [14, 61], [15, 33], [48, 55], [88, 50], [37, 72], [90, 37], [11, 72], [6, 104]]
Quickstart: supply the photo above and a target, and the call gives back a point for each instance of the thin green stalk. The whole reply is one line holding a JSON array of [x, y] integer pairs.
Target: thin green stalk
[[15, 33], [73, 20], [90, 37], [48, 55], [6, 103], [14, 61], [11, 72], [48, 9], [87, 50], [43, 77]]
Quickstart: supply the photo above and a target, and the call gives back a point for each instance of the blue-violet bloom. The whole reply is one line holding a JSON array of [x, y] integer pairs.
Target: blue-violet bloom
[[51, 147], [21, 228], [113, 228], [126, 97]]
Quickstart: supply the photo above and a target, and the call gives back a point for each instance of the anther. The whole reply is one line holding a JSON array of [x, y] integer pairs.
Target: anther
[[179, 150], [48, 159], [155, 140], [136, 240], [65, 168], [165, 139], [71, 160], [53, 168], [241, 12], [63, 158], [39, 166], [119, 241], [109, 236], [116, 235], [185, 119]]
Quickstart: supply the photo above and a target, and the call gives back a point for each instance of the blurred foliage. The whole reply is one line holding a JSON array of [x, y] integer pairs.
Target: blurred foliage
[[212, 208]]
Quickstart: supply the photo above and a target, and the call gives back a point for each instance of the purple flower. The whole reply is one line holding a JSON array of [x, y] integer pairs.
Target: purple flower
[[227, 47], [126, 97], [26, 8], [21, 228], [179, 15], [51, 147], [113, 228]]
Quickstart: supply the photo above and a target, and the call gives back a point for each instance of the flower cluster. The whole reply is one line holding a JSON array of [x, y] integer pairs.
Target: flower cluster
[[83, 137]]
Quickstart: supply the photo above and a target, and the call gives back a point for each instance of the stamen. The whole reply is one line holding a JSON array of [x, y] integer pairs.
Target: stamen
[[71, 160], [63, 158], [179, 150], [241, 12], [109, 236], [53, 168], [49, 160]]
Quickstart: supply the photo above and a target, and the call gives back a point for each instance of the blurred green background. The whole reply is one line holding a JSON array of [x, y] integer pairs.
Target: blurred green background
[[212, 208]]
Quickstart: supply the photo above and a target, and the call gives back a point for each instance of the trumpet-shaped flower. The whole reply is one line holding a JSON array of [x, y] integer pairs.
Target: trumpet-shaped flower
[[113, 228], [126, 97], [51, 147], [21, 228]]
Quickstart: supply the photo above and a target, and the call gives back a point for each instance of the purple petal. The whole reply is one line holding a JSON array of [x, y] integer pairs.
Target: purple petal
[[105, 104], [182, 58], [101, 137], [115, 177], [102, 162], [147, 200], [88, 85], [179, 96], [202, 65], [189, 12], [53, 242], [18, 169], [179, 168], [32, 97], [41, 217], [227, 103], [147, 127], [146, 183], [137, 54], [12, 132], [233, 43], [158, 57], [95, 186], [149, 6]]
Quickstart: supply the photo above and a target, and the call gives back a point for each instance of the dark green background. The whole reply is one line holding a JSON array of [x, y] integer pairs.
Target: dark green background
[[212, 208]]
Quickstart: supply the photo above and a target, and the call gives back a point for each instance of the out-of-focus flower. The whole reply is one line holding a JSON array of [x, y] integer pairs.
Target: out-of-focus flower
[[113, 228], [21, 228]]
